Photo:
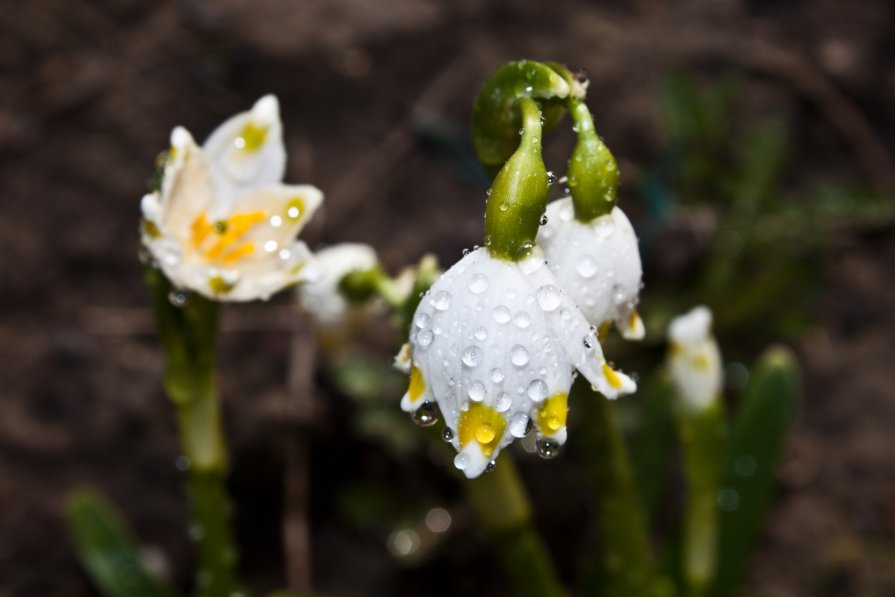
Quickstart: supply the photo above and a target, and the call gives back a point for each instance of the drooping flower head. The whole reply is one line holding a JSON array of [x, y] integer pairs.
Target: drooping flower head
[[321, 296], [694, 359], [496, 341], [589, 242], [222, 223]]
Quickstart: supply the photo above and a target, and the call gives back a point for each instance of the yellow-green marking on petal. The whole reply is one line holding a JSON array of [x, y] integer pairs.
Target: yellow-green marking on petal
[[483, 425], [219, 286], [553, 412], [417, 384], [611, 376], [295, 208], [251, 137]]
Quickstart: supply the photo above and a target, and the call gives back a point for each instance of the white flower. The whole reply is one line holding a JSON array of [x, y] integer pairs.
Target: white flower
[[320, 295], [495, 344], [695, 361], [223, 224], [597, 263]]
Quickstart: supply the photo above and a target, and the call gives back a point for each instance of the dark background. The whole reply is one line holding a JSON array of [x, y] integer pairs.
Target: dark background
[[375, 99]]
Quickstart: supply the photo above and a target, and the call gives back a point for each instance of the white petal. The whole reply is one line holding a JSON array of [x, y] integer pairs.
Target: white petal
[[320, 296], [597, 263], [247, 151], [695, 361], [187, 190]]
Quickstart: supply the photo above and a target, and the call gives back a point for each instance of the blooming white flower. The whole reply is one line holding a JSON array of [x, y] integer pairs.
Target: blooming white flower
[[495, 343], [695, 361], [222, 224], [597, 263], [320, 295]]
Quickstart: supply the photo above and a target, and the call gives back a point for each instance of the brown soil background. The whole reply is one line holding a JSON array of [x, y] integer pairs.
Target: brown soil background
[[88, 95]]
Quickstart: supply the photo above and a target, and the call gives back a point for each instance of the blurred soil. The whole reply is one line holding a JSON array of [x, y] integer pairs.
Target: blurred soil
[[88, 95]]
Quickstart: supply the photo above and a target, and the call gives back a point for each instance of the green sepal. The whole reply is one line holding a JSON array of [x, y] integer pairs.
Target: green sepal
[[496, 119], [107, 551], [763, 419]]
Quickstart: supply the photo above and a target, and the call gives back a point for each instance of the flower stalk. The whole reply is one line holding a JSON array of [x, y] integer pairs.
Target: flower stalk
[[188, 333], [593, 174]]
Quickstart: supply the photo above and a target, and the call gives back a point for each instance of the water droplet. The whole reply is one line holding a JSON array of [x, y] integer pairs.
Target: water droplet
[[485, 433], [551, 178], [588, 343], [586, 267], [422, 320], [490, 466], [496, 375], [565, 314], [464, 252], [461, 461], [504, 402], [472, 356], [604, 227], [543, 219], [178, 298], [548, 448], [442, 300], [522, 320], [476, 391], [424, 338], [553, 423], [501, 314], [502, 207], [478, 284], [426, 415], [447, 434], [537, 390], [549, 297], [520, 425], [519, 355]]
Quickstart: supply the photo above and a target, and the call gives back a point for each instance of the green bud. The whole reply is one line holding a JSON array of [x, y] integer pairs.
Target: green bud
[[518, 196], [359, 286]]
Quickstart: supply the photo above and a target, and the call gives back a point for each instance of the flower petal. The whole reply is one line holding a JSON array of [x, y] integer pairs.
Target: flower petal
[[247, 151]]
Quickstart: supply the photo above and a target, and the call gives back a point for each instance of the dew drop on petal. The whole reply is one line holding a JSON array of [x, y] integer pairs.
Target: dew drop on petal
[[501, 314], [504, 402], [537, 390], [519, 355], [422, 320], [424, 338], [586, 267], [548, 448], [543, 219], [476, 391], [447, 434], [478, 284], [442, 300], [461, 461], [426, 415], [520, 425], [496, 375], [522, 320], [549, 297], [481, 333], [604, 227], [485, 433], [472, 356]]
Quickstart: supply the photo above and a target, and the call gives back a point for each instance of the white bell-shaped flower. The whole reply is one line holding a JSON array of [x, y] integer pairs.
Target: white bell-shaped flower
[[495, 344], [597, 263], [695, 360], [222, 224], [320, 295]]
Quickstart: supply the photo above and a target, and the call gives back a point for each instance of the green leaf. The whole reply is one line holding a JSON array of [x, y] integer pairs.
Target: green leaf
[[762, 421], [652, 446], [108, 552]]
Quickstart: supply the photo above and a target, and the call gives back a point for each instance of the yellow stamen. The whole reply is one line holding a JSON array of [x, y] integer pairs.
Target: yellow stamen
[[552, 413], [238, 253], [417, 384], [228, 234], [611, 376], [251, 137], [482, 424]]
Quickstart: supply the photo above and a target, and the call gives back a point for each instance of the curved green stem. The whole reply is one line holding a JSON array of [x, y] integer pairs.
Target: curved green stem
[[501, 504], [188, 335], [518, 196], [593, 174]]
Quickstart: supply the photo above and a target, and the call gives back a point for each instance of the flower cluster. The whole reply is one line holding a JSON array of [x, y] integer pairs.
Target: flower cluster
[[222, 223]]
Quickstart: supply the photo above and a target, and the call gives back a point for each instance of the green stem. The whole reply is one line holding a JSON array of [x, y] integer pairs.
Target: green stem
[[501, 503], [593, 174], [625, 563], [188, 335], [703, 438], [518, 196]]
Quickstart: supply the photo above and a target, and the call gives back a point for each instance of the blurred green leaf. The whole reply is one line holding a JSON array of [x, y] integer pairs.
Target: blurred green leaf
[[652, 447], [761, 423], [106, 549]]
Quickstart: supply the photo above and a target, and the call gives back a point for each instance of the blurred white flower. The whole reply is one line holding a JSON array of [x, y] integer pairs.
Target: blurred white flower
[[495, 344], [695, 361], [320, 295], [597, 263], [222, 224]]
